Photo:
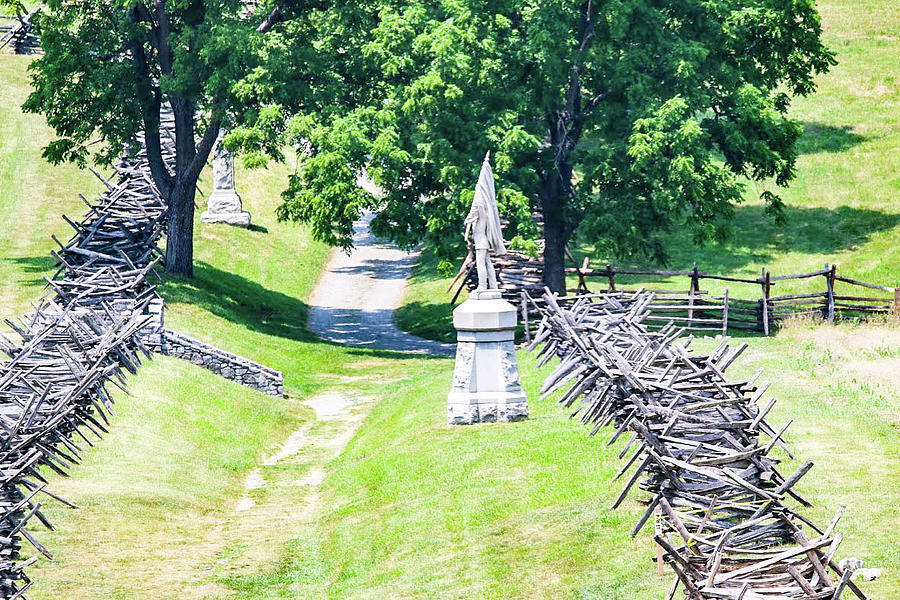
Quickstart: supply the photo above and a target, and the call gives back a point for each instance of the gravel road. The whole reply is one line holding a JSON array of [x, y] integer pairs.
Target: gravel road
[[354, 300]]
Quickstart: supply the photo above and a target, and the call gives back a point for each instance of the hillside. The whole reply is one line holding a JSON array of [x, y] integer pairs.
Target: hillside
[[413, 508], [160, 489], [841, 208]]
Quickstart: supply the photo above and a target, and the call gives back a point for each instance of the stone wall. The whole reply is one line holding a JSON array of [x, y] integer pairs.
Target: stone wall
[[225, 364]]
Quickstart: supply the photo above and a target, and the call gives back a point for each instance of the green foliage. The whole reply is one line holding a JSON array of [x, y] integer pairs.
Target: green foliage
[[111, 67], [12, 6], [107, 64], [623, 118]]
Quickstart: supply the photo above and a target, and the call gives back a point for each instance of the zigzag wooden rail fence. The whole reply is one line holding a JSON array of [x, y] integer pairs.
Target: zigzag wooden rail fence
[[83, 335], [699, 445], [696, 310], [20, 33], [100, 313]]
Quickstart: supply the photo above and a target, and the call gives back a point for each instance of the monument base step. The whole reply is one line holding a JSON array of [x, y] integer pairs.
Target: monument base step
[[466, 408], [238, 219]]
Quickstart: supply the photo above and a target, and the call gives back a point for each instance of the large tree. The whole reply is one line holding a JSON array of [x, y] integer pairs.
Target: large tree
[[619, 119], [111, 67]]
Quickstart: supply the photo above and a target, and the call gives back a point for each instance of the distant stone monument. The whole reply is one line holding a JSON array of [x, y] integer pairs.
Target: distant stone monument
[[224, 204], [486, 384]]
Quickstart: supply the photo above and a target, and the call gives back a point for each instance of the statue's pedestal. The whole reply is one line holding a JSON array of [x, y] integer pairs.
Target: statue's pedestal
[[486, 385], [224, 206]]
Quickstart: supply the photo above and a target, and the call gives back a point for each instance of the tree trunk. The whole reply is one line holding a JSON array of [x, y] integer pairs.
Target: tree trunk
[[180, 235], [554, 254], [553, 197]]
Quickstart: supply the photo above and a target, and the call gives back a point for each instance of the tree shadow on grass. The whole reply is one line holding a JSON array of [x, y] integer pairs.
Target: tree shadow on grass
[[757, 239], [241, 301], [43, 265], [246, 303], [819, 137], [430, 320]]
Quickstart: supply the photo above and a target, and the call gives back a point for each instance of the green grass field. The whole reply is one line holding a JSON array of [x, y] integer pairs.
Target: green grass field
[[413, 508]]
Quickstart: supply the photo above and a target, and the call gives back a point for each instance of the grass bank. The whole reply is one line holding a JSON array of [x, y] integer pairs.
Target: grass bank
[[412, 508], [416, 509]]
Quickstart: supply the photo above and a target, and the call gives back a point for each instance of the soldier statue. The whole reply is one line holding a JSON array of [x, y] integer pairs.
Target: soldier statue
[[483, 227]]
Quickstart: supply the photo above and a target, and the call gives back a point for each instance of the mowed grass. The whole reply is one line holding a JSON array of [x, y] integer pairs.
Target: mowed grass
[[33, 194], [412, 508], [416, 509]]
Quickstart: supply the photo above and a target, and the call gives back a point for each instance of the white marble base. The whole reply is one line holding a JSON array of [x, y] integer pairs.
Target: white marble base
[[486, 386], [224, 206], [238, 219]]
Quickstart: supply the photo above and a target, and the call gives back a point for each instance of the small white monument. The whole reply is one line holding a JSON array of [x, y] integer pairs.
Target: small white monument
[[224, 204], [486, 384]]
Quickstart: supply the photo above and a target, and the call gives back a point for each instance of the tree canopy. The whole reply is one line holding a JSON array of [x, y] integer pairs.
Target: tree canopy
[[619, 119], [111, 67]]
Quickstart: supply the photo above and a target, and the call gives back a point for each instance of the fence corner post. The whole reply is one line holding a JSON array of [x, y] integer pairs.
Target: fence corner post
[[829, 307], [525, 317], [695, 278], [896, 310], [766, 283]]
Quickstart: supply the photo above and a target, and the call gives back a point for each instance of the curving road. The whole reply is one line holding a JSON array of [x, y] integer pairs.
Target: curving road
[[354, 300]]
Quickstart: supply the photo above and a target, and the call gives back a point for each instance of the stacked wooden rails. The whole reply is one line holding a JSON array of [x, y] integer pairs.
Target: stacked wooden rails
[[516, 272], [699, 445], [749, 304], [20, 34], [53, 386], [81, 338]]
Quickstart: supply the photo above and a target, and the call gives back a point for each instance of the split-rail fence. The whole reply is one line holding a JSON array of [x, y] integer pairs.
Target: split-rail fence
[[748, 304], [698, 444], [19, 33]]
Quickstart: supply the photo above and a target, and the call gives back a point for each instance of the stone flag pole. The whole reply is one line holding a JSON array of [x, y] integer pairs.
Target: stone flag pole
[[224, 204], [486, 385]]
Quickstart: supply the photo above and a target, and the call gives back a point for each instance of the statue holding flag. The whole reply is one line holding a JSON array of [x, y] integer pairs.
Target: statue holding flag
[[486, 386], [483, 226]]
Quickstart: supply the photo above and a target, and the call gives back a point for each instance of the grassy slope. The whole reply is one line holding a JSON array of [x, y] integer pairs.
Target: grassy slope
[[32, 194], [842, 206], [420, 510], [412, 509], [158, 494]]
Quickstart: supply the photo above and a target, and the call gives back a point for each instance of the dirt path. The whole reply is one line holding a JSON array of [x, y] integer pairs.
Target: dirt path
[[281, 496], [354, 301]]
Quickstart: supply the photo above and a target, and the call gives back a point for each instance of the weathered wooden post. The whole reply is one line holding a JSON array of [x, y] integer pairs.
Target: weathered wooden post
[[695, 278], [695, 288], [766, 282], [725, 314], [896, 309], [829, 306], [525, 316], [611, 275], [657, 528]]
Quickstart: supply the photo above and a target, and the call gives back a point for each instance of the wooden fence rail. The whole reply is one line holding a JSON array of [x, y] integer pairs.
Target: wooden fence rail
[[20, 33], [747, 304], [697, 449]]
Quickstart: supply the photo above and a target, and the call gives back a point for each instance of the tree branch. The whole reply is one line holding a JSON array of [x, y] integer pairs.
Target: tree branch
[[164, 29], [274, 18], [151, 102], [204, 148]]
